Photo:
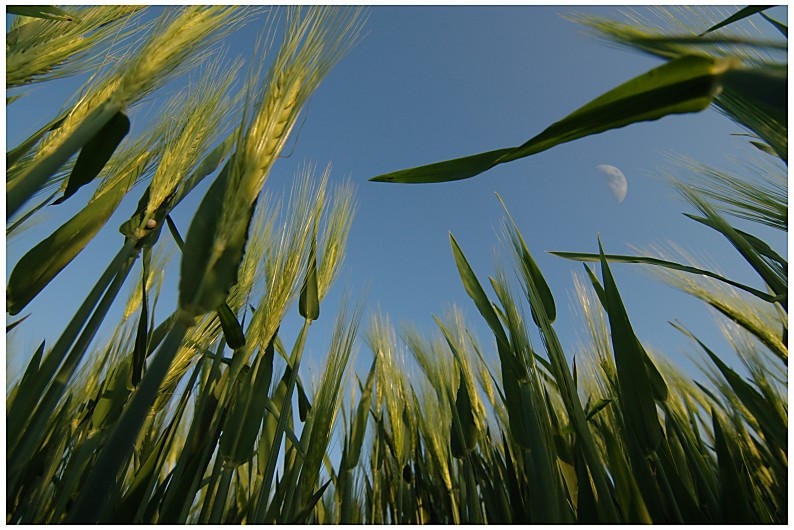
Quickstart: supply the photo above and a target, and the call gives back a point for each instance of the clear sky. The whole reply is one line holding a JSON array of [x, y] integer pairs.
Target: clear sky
[[431, 83]]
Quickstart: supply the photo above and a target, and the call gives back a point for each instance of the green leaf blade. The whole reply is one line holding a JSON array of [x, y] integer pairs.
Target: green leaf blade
[[37, 268], [96, 153], [636, 388], [455, 169]]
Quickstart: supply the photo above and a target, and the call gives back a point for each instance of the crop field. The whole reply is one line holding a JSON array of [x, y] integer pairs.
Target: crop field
[[206, 415]]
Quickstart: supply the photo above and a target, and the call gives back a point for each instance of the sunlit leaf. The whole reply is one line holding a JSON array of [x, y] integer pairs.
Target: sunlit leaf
[[687, 84], [477, 294], [207, 272]]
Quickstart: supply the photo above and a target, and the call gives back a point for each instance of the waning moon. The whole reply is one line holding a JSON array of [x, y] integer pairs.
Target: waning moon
[[616, 181]]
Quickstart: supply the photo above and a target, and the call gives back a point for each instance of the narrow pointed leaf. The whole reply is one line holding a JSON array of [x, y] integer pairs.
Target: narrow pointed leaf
[[765, 414], [208, 273], [44, 261], [232, 330], [359, 427], [300, 518], [777, 283], [13, 156], [615, 258], [309, 302], [449, 170], [782, 28], [96, 153], [734, 495], [12, 325], [759, 245], [304, 405], [142, 336], [47, 12], [464, 429], [30, 373], [531, 272], [34, 178], [111, 401], [597, 407], [636, 389], [174, 232], [477, 294], [683, 85], [739, 15]]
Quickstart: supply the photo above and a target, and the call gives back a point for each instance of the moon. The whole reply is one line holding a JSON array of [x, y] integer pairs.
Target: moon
[[616, 181]]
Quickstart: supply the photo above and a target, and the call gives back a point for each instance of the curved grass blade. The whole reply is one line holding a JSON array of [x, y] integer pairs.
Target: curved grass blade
[[96, 153], [300, 518], [464, 432], [683, 85], [782, 28], [46, 12], [22, 188], [530, 270], [12, 325], [616, 258], [44, 261], [142, 335], [13, 156], [770, 422], [477, 294], [359, 426], [739, 15], [759, 245], [734, 494], [456, 169], [776, 281]]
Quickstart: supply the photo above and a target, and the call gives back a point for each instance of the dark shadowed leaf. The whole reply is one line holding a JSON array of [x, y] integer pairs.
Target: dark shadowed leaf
[[733, 486], [782, 28], [142, 336], [232, 330], [12, 325], [309, 302], [48, 12], [464, 432], [739, 15], [95, 154]]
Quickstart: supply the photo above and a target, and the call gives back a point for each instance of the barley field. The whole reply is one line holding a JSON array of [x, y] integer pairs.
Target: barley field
[[207, 415]]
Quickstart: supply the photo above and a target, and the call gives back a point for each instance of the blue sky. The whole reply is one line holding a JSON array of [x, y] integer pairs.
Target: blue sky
[[431, 83]]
